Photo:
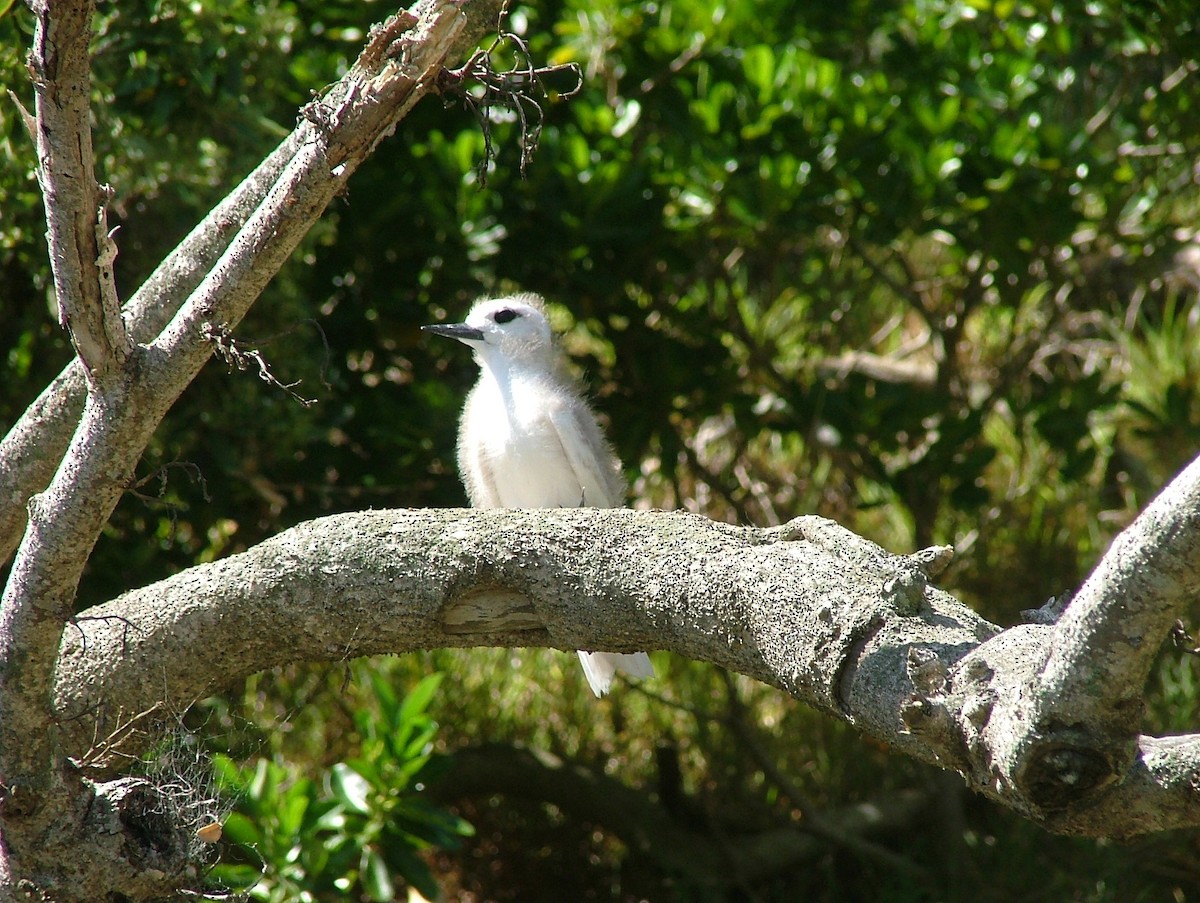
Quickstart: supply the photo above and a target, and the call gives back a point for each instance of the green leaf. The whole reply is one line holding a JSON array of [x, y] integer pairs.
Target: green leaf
[[292, 808], [385, 693], [239, 828], [413, 870], [947, 114], [758, 62], [376, 877], [227, 774], [235, 876], [419, 697], [262, 786], [350, 788]]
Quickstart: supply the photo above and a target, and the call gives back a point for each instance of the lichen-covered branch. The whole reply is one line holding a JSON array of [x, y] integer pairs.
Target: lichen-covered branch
[[810, 608], [1060, 720], [1111, 632]]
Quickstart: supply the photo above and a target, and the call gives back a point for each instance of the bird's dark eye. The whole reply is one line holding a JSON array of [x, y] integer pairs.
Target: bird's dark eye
[[505, 315]]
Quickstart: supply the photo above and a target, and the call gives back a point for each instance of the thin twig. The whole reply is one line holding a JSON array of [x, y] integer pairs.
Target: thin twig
[[26, 116], [102, 750], [227, 349]]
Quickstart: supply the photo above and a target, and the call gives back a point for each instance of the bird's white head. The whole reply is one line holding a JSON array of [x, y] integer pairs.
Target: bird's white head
[[513, 330]]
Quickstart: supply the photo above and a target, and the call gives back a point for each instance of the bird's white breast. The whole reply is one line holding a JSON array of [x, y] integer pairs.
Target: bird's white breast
[[512, 428]]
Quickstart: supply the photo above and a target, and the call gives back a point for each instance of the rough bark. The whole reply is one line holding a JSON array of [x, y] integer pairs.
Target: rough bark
[[1094, 678], [809, 608], [81, 250], [1042, 718]]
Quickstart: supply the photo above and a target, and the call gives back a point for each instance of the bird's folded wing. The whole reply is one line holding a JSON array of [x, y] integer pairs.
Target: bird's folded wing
[[587, 455]]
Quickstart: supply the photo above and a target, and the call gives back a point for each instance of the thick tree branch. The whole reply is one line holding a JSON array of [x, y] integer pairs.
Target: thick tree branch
[[1074, 728], [810, 608], [435, 578], [80, 246], [1111, 632]]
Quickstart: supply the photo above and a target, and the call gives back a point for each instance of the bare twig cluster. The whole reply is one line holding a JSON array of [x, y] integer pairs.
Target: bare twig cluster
[[520, 88], [231, 353], [108, 750], [162, 475]]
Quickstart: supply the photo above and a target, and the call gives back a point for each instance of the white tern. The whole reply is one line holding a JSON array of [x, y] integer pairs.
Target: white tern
[[527, 438]]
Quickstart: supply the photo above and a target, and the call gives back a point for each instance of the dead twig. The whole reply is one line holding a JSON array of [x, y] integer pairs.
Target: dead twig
[[520, 88], [229, 351], [105, 749], [1183, 640], [161, 474]]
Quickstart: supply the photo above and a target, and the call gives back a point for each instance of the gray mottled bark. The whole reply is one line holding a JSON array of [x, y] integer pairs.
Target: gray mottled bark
[[810, 608]]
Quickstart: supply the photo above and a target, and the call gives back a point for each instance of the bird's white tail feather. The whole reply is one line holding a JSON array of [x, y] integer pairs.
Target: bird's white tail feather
[[599, 667]]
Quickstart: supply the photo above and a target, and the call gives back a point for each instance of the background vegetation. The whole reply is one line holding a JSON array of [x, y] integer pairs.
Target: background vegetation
[[927, 267]]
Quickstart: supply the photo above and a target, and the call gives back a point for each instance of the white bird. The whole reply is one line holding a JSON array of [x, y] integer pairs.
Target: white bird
[[527, 438]]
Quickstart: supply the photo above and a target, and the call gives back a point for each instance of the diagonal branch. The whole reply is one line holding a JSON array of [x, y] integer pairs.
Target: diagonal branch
[[1050, 715], [1111, 632], [35, 445], [1093, 682], [79, 243], [399, 65], [33, 449]]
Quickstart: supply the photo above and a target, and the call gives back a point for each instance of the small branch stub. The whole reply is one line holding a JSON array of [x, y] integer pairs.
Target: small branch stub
[[110, 303]]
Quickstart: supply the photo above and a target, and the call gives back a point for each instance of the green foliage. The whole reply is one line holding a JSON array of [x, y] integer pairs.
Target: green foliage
[[927, 267], [353, 831]]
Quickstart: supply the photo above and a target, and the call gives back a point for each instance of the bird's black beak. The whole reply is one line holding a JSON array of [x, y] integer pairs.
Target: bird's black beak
[[460, 331]]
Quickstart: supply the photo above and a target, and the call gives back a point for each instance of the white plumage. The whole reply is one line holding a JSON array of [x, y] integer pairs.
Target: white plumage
[[528, 439]]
